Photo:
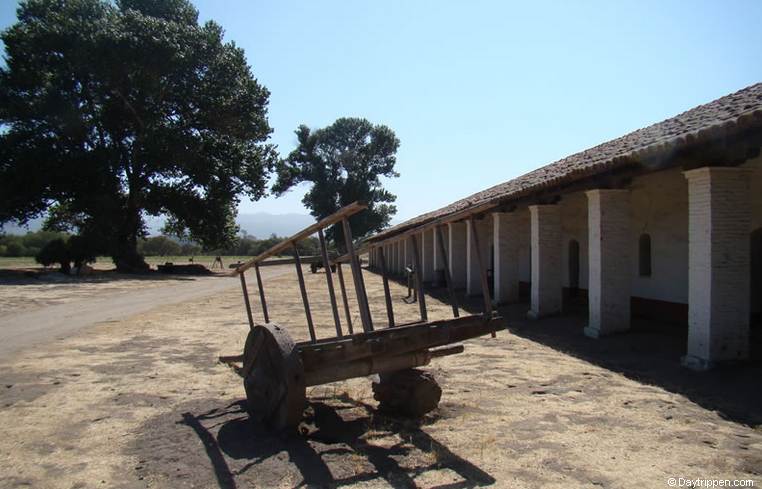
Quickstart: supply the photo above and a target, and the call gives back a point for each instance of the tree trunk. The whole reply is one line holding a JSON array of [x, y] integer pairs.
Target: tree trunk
[[126, 256]]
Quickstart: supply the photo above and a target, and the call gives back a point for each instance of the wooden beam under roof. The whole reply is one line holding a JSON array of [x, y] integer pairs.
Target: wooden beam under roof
[[454, 217]]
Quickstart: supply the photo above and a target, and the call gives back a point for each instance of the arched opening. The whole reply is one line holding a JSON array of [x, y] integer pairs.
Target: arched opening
[[644, 255], [573, 268], [756, 276]]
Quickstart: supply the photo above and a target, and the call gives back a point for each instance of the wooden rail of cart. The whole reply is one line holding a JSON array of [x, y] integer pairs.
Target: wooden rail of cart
[[276, 370]]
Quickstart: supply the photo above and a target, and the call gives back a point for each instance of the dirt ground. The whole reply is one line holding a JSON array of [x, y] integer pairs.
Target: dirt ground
[[143, 403]]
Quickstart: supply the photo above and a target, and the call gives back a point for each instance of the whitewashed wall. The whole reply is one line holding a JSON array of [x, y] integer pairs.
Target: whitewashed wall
[[574, 227], [756, 191], [756, 223], [659, 203]]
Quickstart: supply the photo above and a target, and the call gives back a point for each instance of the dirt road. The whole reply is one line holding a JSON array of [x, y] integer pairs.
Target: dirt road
[[143, 403], [25, 328]]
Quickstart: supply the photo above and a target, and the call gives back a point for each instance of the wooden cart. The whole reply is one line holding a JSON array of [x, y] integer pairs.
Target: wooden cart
[[276, 370]]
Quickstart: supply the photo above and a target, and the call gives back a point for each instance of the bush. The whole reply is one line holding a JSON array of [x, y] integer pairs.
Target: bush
[[14, 248], [77, 249], [56, 251], [29, 244]]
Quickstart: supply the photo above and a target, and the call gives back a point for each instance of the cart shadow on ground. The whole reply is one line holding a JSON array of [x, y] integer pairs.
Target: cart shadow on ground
[[343, 442]]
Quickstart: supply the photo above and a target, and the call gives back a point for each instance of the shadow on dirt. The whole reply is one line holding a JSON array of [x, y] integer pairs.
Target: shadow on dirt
[[649, 353], [343, 442], [42, 276]]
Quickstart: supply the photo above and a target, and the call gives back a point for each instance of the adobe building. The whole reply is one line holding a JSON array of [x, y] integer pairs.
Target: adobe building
[[663, 223]]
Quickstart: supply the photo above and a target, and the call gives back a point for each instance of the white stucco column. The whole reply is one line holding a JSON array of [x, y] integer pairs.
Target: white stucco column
[[473, 274], [719, 226], [506, 229], [610, 271], [545, 224], [427, 255], [457, 253]]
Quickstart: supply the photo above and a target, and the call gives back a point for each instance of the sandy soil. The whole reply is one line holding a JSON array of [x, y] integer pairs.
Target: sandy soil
[[25, 293], [143, 403]]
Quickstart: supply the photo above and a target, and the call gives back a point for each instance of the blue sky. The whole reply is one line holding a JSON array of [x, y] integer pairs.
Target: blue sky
[[480, 92]]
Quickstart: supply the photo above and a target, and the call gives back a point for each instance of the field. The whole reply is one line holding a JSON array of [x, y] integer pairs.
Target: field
[[142, 403]]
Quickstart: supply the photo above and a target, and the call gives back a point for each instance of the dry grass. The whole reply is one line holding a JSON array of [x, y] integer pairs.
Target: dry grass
[[143, 403]]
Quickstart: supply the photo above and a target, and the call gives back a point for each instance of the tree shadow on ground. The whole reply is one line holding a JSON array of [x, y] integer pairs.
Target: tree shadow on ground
[[342, 442], [41, 276]]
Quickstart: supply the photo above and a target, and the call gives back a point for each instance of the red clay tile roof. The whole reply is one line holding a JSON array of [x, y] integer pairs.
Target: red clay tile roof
[[739, 109]]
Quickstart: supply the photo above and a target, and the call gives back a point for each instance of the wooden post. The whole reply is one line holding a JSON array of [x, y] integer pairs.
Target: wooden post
[[344, 298], [387, 294], [246, 301], [261, 294], [303, 289], [482, 269], [362, 298], [418, 278], [329, 280], [447, 277]]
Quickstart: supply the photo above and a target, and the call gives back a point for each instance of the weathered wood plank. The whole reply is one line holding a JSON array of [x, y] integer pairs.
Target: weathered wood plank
[[398, 340], [262, 299], [387, 293], [418, 277], [362, 297], [329, 281], [447, 276], [303, 289], [344, 298], [246, 301]]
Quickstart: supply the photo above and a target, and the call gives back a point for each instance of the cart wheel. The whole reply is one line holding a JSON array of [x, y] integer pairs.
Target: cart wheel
[[273, 377]]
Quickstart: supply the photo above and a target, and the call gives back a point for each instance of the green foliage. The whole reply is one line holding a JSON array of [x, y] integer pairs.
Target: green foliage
[[190, 249], [27, 245], [159, 246], [344, 162], [77, 249], [113, 111], [55, 251], [251, 246], [83, 249]]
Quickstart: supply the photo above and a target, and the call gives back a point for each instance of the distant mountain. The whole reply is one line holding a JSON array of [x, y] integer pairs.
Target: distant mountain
[[257, 224], [263, 224]]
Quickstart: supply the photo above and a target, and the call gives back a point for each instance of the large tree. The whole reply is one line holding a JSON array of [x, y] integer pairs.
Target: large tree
[[344, 162], [116, 110]]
